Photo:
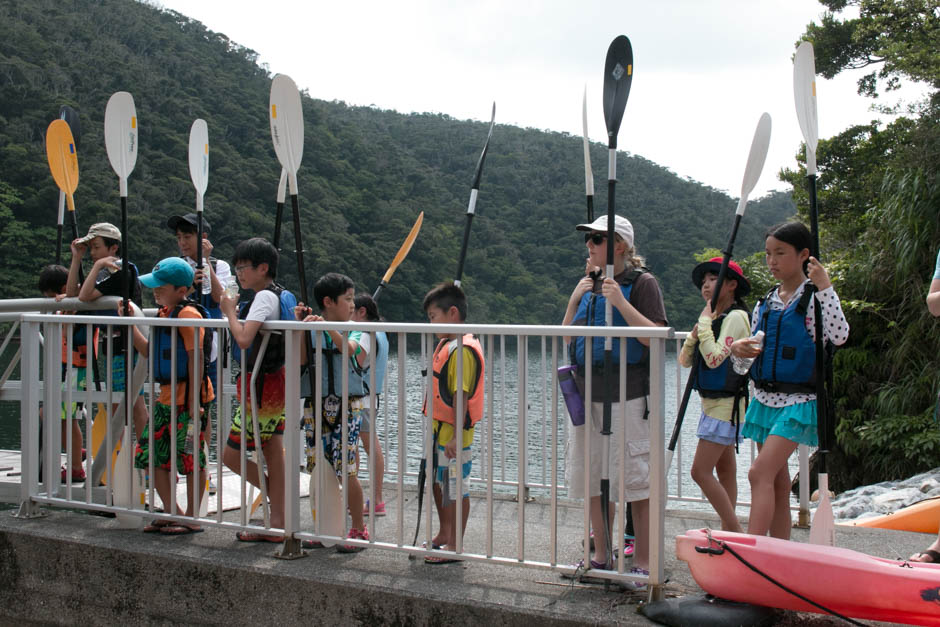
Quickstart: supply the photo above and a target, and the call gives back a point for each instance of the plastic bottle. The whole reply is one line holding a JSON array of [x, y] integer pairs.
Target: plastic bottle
[[742, 366], [206, 281], [188, 446], [452, 478]]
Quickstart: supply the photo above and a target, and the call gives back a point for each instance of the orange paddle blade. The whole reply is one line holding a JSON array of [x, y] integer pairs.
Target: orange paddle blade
[[405, 248], [63, 158]]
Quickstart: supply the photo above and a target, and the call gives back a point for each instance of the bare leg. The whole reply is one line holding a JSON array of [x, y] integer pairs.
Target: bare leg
[[190, 493], [356, 501], [764, 479], [641, 527], [450, 512], [782, 521], [161, 481], [75, 455], [273, 451], [727, 471], [376, 466], [707, 457]]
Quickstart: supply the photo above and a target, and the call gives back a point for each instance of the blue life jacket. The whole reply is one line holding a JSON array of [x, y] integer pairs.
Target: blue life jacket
[[381, 360], [163, 349], [720, 382], [331, 376], [273, 359], [787, 364], [592, 309]]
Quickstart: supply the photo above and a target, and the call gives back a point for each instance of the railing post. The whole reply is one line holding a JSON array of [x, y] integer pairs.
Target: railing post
[[291, 547], [29, 425], [657, 425]]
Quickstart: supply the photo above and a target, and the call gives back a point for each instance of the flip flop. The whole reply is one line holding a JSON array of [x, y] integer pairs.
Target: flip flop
[[932, 554], [179, 530], [431, 559], [157, 526], [424, 545], [249, 536]]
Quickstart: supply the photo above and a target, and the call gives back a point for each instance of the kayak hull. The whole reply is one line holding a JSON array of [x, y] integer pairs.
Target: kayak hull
[[923, 517], [844, 581]]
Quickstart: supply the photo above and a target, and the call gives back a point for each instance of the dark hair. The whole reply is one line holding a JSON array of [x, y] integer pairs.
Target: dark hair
[[185, 227], [372, 309], [795, 234], [109, 242], [256, 251], [332, 284], [446, 295], [52, 278]]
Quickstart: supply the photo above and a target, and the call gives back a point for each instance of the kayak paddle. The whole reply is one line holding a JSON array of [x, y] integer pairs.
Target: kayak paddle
[[822, 530], [281, 194], [70, 115], [752, 171], [618, 76], [588, 172], [63, 163], [474, 192], [199, 173], [400, 256]]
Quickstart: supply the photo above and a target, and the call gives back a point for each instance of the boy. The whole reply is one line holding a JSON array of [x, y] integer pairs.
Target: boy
[[335, 295], [103, 243], [52, 282], [185, 227], [171, 279], [255, 263], [447, 304]]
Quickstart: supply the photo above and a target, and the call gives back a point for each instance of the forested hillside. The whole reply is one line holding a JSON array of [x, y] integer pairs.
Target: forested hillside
[[365, 175]]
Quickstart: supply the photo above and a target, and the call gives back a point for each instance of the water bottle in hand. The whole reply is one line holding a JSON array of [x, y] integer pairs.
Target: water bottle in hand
[[741, 366], [206, 281], [452, 478]]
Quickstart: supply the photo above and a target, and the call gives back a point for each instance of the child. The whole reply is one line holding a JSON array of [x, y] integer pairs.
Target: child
[[368, 311], [52, 281], [334, 294], [185, 227], [255, 262], [636, 300], [447, 304], [783, 413], [103, 243], [722, 390], [171, 279]]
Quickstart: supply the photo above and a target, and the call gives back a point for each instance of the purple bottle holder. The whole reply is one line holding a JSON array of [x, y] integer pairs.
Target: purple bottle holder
[[573, 399]]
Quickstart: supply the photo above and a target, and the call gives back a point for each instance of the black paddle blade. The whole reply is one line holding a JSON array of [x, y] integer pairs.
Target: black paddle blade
[[70, 116], [618, 75]]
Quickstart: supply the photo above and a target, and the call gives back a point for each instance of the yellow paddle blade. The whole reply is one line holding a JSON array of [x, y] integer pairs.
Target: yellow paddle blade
[[63, 158], [405, 248]]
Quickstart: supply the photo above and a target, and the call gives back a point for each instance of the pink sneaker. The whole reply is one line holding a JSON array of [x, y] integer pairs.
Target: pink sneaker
[[379, 508], [354, 534]]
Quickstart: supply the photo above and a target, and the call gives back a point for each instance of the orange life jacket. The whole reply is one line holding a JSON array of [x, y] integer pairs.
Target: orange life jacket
[[79, 347], [444, 401]]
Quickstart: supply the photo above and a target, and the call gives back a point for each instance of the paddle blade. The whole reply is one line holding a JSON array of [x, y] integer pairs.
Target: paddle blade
[[62, 157], [755, 160], [287, 126], [618, 75], [405, 248], [120, 135], [70, 115], [199, 158], [486, 146], [588, 173], [823, 530], [804, 96], [282, 187]]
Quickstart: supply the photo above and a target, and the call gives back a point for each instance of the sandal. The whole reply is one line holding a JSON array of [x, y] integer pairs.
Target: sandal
[[157, 526], [250, 536]]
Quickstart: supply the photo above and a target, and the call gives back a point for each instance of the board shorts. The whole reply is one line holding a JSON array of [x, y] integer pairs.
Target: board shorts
[[796, 423], [78, 379], [162, 429], [270, 412], [636, 466], [117, 373], [442, 474], [334, 449]]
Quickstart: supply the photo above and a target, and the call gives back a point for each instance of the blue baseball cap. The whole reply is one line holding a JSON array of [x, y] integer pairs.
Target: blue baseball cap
[[170, 271]]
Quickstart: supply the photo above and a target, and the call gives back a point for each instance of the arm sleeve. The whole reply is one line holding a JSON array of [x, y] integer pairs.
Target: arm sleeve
[[648, 299], [713, 350], [265, 306], [835, 326]]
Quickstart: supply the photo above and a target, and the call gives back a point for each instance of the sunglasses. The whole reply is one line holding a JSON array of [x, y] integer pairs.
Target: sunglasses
[[596, 238]]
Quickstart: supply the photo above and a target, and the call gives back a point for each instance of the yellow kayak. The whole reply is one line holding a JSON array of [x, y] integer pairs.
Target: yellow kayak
[[923, 516]]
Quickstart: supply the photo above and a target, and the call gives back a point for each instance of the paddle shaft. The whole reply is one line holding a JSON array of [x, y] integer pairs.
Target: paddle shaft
[[58, 229], [822, 399], [466, 239]]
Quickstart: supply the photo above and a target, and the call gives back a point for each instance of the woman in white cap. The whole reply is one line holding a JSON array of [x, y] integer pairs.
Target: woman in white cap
[[636, 300]]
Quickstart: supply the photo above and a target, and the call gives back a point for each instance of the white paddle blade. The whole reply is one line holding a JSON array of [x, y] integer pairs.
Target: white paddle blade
[[804, 96], [755, 159], [588, 172], [199, 159], [823, 529], [331, 500], [287, 125], [120, 135], [282, 187]]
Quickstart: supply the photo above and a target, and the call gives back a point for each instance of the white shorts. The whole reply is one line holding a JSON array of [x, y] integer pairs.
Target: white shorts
[[636, 469]]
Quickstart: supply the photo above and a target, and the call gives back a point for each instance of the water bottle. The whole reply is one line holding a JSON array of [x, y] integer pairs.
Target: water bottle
[[573, 399], [741, 366], [188, 446], [206, 281], [452, 478]]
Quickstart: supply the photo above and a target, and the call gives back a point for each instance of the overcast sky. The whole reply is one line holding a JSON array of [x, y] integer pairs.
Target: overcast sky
[[704, 70]]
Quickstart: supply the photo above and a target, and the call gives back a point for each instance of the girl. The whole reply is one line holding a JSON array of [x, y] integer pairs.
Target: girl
[[722, 390], [783, 413], [636, 300], [368, 311]]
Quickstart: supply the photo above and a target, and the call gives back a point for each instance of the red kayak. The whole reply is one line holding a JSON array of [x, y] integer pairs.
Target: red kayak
[[841, 580]]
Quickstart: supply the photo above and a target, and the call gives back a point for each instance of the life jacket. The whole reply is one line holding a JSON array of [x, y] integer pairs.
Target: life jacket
[[273, 359], [79, 346], [163, 350], [381, 360], [331, 377], [592, 309], [723, 381], [787, 364], [444, 409]]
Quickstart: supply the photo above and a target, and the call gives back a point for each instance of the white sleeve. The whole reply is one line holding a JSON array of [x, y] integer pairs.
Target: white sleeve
[[265, 306], [222, 270], [365, 342]]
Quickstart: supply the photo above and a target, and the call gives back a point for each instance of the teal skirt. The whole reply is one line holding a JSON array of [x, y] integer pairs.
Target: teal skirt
[[796, 423]]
